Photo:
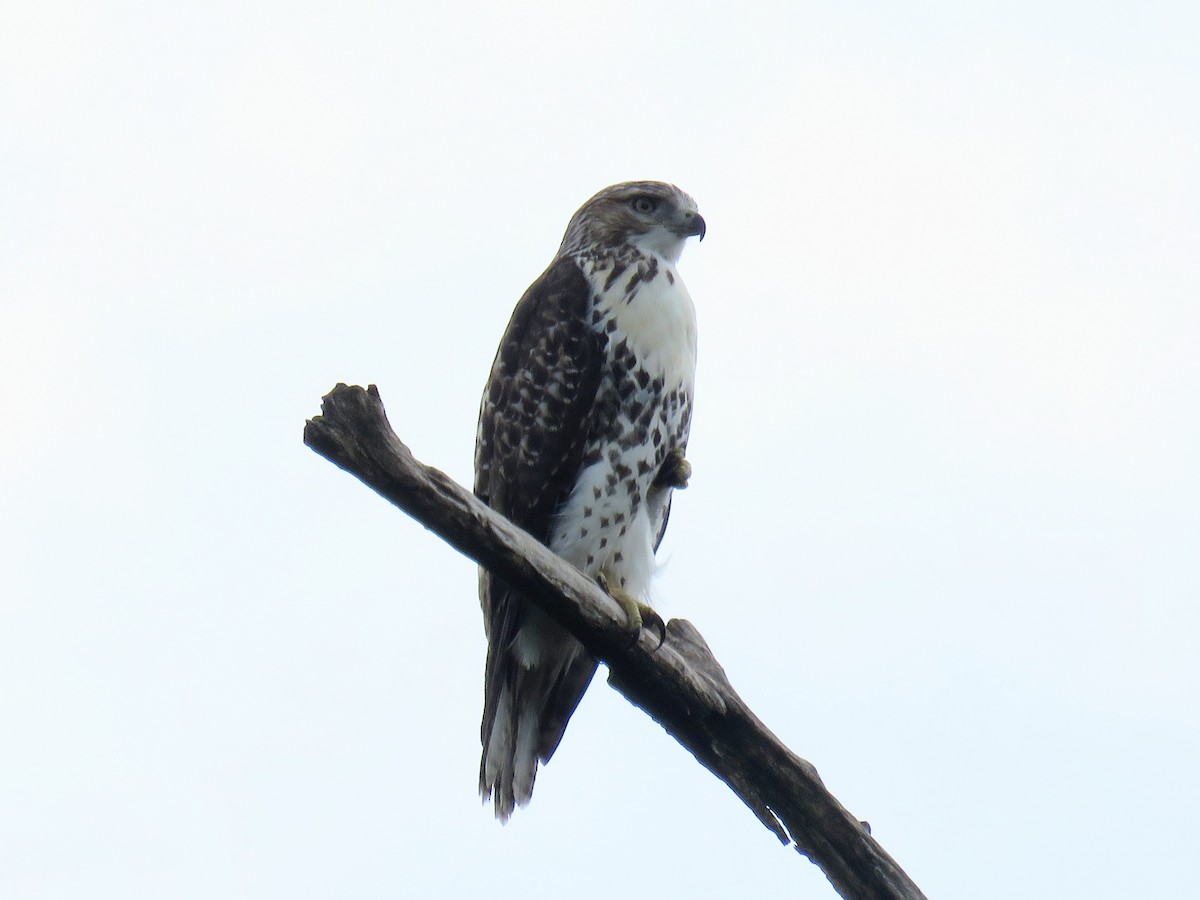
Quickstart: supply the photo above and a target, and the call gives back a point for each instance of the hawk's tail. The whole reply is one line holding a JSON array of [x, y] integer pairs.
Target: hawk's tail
[[531, 688]]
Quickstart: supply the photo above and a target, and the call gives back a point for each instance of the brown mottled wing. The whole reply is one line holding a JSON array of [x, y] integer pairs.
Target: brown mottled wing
[[533, 422], [533, 419]]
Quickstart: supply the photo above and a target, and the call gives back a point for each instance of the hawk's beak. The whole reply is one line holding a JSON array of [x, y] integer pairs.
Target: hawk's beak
[[695, 226]]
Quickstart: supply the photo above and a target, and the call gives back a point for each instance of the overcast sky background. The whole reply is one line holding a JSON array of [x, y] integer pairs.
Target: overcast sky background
[[944, 528]]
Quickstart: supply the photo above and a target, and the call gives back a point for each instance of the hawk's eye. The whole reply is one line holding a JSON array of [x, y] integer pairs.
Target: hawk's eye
[[644, 205]]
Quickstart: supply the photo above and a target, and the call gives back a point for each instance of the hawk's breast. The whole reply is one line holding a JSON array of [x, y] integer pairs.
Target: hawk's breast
[[611, 521]]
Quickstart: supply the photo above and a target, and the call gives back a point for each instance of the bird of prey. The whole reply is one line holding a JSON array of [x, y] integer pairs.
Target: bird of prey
[[582, 431]]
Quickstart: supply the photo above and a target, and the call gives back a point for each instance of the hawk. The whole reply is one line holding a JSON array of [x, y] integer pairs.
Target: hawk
[[582, 431]]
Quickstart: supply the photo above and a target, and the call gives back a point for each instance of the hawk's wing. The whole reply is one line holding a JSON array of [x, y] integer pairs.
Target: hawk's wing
[[536, 407], [535, 418]]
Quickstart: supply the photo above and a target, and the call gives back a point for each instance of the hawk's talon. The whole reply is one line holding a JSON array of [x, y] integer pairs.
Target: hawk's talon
[[652, 618], [674, 472], [637, 614]]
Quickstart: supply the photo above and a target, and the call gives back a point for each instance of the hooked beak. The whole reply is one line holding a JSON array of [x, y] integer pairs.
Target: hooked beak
[[694, 226]]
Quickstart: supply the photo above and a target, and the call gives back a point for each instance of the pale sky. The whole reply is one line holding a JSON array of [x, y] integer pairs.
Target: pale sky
[[944, 527]]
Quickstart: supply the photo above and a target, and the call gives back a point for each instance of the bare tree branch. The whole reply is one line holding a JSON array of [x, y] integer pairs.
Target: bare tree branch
[[680, 685]]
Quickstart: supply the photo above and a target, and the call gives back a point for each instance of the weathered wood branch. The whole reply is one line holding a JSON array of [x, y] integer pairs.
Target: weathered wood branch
[[679, 684]]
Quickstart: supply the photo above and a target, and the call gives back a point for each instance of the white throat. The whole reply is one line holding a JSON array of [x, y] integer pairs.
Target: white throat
[[660, 241]]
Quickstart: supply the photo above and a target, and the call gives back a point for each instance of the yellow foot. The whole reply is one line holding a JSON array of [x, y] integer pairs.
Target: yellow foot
[[675, 471], [638, 615]]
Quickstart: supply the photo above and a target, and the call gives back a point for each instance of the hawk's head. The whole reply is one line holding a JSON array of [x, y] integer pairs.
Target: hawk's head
[[654, 216]]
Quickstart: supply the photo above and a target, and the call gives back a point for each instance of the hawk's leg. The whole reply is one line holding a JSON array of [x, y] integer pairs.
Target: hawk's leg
[[638, 615], [675, 471]]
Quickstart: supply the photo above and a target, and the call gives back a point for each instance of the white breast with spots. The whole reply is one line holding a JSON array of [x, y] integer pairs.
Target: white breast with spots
[[610, 522]]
